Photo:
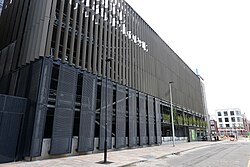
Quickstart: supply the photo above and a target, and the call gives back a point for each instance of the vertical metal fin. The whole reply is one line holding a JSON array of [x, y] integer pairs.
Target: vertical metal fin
[[142, 119], [158, 121], [64, 111], [109, 115], [120, 138], [151, 119], [132, 138], [41, 108], [87, 115]]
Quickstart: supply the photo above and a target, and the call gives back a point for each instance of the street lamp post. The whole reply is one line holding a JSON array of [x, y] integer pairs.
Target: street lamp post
[[172, 115], [106, 112]]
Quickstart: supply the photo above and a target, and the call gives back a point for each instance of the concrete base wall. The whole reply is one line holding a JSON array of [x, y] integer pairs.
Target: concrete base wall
[[46, 148], [47, 142]]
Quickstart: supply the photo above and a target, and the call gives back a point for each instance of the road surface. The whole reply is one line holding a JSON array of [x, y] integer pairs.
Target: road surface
[[226, 154]]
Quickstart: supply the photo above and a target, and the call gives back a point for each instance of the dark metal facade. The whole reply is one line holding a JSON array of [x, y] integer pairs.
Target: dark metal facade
[[83, 33], [64, 111], [40, 105], [54, 52], [11, 126], [142, 120], [109, 115], [1, 6], [158, 121], [87, 114], [151, 120], [120, 117], [132, 118]]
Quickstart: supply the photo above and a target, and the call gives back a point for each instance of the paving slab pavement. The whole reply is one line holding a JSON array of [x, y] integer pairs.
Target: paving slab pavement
[[124, 157]]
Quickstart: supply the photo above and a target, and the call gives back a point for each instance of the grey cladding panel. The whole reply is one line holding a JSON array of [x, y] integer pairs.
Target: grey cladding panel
[[4, 84], [64, 111], [132, 118], [41, 108], [32, 93], [15, 105], [87, 116], [22, 81], [13, 81], [158, 121], [142, 119], [11, 48], [109, 115], [11, 114], [3, 57], [151, 118], [35, 18], [120, 116]]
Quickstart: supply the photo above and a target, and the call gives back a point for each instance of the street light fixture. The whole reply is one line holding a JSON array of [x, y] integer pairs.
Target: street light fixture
[[172, 117], [106, 111]]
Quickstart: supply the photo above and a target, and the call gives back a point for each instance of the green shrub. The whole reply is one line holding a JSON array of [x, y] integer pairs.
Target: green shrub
[[166, 118], [185, 119], [180, 119]]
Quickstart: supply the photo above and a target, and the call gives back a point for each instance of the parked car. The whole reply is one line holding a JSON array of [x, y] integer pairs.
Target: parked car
[[204, 138], [232, 138]]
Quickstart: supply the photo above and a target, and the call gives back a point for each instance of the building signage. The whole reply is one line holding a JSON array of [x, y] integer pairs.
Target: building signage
[[121, 23]]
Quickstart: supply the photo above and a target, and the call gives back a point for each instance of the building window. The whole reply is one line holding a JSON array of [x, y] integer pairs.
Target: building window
[[237, 113], [227, 125], [220, 119], [221, 125], [226, 120], [225, 113], [231, 112], [238, 119], [219, 113], [232, 119]]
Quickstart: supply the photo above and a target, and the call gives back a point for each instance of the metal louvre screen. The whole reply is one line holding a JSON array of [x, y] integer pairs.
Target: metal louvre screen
[[41, 108], [4, 84], [11, 48], [120, 140], [158, 121], [142, 119], [22, 81], [151, 118], [109, 115], [3, 57], [32, 89], [87, 116], [84, 33], [64, 111], [13, 81], [11, 114], [132, 138]]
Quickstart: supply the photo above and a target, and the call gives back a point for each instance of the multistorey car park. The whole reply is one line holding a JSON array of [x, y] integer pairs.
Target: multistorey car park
[[54, 53]]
